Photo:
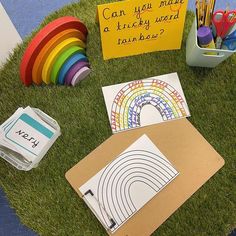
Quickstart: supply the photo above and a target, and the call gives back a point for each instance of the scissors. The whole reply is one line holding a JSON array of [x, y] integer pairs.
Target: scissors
[[223, 22]]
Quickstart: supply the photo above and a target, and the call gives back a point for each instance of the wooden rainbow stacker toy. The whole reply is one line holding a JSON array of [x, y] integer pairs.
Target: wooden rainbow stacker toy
[[57, 54]]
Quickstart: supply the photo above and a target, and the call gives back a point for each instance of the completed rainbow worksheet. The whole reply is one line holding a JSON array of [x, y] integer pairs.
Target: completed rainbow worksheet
[[145, 102]]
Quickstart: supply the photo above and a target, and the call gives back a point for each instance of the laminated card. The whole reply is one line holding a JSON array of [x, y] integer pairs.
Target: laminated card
[[126, 184], [141, 26], [145, 102]]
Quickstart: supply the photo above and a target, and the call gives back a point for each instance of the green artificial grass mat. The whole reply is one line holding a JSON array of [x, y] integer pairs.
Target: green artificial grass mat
[[43, 198]]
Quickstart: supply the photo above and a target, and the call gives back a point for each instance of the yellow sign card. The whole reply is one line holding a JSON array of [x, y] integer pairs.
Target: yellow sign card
[[134, 27]]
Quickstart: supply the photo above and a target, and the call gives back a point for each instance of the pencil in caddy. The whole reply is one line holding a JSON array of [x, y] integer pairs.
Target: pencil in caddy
[[203, 57]]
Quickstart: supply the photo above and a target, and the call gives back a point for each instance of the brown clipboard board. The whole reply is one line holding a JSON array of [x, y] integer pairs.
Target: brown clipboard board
[[184, 147]]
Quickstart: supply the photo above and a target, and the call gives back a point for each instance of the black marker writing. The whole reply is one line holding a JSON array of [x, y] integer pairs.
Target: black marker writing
[[170, 2], [108, 14], [167, 18], [139, 23], [141, 9], [27, 137]]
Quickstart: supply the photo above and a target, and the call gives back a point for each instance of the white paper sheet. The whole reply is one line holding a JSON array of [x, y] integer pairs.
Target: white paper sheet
[[145, 102], [125, 185], [9, 36]]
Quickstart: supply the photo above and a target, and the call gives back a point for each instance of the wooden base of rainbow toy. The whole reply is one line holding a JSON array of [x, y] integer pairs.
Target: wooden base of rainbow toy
[[57, 54]]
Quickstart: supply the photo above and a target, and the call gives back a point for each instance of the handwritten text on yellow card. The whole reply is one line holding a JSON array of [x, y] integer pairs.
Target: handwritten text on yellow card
[[139, 26]]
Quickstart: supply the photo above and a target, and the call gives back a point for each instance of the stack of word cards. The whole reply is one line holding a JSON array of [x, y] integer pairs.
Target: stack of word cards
[[26, 137]]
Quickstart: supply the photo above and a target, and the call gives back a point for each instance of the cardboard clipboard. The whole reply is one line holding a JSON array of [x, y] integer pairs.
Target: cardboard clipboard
[[185, 148]]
